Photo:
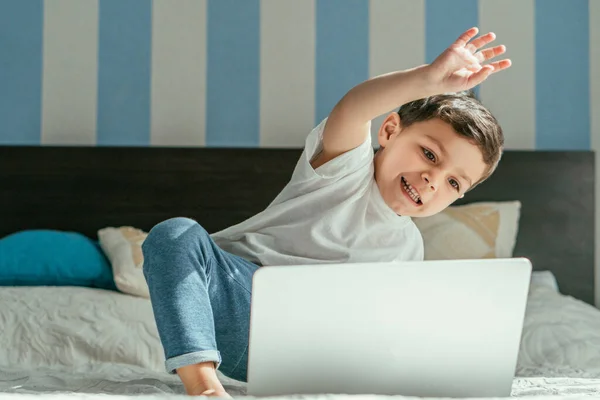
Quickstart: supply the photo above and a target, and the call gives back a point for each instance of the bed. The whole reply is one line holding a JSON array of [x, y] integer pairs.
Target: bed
[[86, 342]]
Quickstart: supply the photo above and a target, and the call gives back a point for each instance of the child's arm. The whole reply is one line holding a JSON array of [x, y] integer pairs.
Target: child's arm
[[458, 68]]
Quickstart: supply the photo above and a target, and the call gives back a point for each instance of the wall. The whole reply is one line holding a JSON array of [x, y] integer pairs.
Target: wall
[[264, 72]]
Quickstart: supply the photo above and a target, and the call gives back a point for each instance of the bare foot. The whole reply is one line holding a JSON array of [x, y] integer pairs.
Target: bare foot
[[214, 393], [201, 380]]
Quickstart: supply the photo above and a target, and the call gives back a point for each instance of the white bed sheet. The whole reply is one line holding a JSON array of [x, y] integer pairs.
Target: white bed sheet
[[129, 381], [86, 343]]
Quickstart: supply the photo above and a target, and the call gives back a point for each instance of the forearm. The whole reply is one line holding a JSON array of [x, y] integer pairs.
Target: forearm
[[347, 123], [458, 68], [383, 93]]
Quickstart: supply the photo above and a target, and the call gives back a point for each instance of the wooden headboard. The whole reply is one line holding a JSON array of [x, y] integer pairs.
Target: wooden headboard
[[84, 189]]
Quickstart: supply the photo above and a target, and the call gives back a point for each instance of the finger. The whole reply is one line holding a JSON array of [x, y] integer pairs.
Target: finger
[[487, 54], [466, 36], [481, 41], [480, 76], [501, 65], [474, 67]]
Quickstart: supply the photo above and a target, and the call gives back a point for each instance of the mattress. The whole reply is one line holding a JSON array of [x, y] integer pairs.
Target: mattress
[[86, 343]]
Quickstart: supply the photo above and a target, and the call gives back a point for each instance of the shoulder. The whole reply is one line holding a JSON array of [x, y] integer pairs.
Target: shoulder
[[322, 154], [409, 242], [416, 239], [315, 163]]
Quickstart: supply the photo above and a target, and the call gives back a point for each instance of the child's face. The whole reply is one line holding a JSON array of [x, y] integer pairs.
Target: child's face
[[422, 169]]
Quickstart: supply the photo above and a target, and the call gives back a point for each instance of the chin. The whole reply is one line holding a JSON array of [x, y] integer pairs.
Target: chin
[[406, 212], [419, 212], [428, 213], [413, 213]]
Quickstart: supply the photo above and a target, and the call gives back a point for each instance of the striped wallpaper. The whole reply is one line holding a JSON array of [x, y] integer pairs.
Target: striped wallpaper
[[264, 72]]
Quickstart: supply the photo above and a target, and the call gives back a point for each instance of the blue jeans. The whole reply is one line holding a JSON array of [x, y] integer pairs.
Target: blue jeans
[[200, 297]]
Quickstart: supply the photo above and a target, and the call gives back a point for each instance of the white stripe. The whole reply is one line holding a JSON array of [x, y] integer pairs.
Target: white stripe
[[178, 73], [396, 40], [70, 72], [595, 120], [287, 72], [510, 95]]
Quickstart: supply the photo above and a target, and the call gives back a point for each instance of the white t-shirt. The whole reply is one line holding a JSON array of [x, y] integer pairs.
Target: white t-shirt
[[331, 214]]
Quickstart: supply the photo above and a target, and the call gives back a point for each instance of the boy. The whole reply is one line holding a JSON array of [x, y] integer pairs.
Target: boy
[[342, 204]]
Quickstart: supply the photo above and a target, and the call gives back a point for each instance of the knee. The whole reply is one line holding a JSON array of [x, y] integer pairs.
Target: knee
[[172, 235]]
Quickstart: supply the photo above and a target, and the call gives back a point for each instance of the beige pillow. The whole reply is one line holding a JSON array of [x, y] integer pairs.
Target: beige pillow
[[476, 230], [123, 248]]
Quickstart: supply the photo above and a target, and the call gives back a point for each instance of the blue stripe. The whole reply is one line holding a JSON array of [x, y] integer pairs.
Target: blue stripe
[[562, 75], [445, 21], [21, 35], [233, 76], [124, 63], [342, 51]]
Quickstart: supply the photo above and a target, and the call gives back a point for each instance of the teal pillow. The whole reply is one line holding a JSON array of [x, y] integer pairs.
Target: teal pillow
[[53, 258]]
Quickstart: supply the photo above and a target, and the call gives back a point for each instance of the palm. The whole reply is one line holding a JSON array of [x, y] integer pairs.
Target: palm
[[461, 66]]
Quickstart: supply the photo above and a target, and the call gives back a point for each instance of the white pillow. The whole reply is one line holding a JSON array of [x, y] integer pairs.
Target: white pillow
[[559, 331], [544, 278], [471, 231], [122, 247]]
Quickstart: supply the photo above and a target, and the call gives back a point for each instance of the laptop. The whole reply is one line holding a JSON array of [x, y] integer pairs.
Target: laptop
[[426, 329]]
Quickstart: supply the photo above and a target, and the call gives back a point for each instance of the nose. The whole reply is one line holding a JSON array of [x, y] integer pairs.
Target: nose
[[431, 180]]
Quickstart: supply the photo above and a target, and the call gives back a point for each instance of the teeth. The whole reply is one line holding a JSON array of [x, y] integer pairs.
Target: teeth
[[411, 192]]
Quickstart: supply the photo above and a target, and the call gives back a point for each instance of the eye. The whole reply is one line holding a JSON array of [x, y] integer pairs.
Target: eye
[[429, 154], [454, 184]]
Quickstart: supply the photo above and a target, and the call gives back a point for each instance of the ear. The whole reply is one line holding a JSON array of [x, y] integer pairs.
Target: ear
[[390, 126]]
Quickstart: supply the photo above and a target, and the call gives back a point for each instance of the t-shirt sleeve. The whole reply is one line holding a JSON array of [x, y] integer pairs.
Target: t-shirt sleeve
[[351, 161], [419, 254]]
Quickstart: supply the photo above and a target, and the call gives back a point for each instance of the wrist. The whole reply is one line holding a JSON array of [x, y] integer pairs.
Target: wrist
[[425, 80]]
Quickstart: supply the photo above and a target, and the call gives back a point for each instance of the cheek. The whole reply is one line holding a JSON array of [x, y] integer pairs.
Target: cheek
[[449, 199], [444, 198], [409, 161]]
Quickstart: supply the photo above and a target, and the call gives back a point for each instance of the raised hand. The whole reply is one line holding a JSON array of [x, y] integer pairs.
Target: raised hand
[[461, 66]]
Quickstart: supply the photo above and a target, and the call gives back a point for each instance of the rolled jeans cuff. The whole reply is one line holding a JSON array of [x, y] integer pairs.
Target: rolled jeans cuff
[[193, 358]]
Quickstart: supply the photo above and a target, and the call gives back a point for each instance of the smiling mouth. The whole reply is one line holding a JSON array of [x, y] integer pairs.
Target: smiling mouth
[[411, 192]]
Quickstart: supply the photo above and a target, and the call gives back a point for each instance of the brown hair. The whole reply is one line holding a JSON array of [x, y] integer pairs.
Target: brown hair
[[467, 116]]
